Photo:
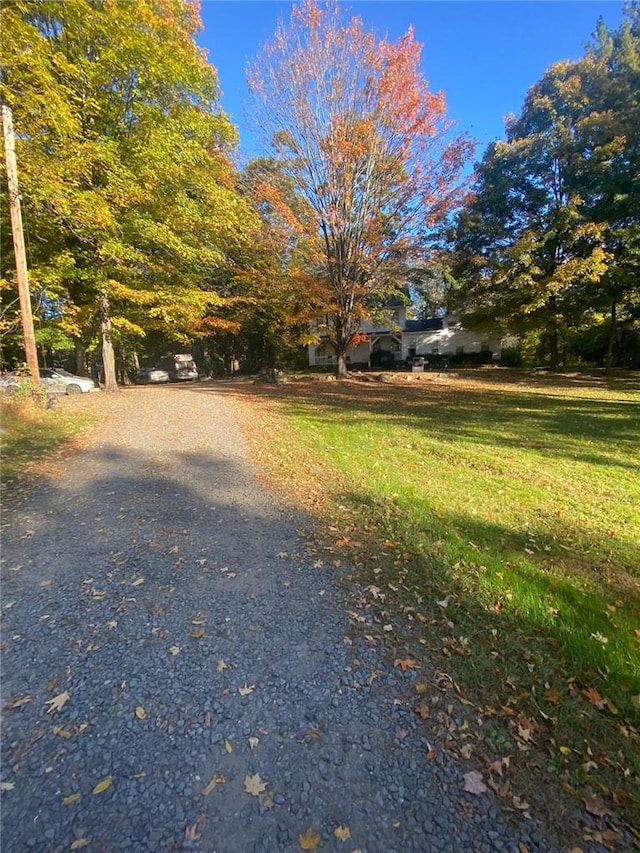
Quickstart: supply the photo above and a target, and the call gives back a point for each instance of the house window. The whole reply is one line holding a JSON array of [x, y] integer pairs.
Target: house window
[[435, 350]]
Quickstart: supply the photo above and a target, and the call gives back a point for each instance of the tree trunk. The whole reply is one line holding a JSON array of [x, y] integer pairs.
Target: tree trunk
[[612, 335], [341, 365], [81, 358], [342, 344], [553, 333], [108, 357]]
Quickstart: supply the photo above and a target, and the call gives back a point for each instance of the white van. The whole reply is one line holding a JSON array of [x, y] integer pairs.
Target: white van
[[181, 367]]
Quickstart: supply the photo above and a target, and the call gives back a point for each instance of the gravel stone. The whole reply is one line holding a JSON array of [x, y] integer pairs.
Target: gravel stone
[[155, 530]]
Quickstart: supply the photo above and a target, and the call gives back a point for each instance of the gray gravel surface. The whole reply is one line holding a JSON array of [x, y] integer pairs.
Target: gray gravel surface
[[152, 572]]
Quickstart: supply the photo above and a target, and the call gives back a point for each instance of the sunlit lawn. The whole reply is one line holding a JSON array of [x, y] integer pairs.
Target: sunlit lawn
[[30, 432], [517, 502]]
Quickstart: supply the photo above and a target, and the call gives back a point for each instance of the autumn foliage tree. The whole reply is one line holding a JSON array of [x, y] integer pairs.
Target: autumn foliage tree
[[369, 149], [125, 159]]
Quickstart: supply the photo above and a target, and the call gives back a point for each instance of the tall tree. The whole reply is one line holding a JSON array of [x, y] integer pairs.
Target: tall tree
[[549, 236], [125, 153], [612, 167], [525, 238], [367, 145]]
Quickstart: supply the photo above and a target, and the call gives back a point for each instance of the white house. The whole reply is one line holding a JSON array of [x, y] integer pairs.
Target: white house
[[401, 339]]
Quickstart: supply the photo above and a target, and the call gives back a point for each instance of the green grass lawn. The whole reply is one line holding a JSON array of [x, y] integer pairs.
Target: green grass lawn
[[515, 500]]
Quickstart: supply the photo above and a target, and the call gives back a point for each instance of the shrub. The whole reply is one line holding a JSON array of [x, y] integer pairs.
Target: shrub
[[510, 357]]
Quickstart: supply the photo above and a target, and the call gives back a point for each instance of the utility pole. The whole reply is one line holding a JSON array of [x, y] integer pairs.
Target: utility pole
[[18, 245]]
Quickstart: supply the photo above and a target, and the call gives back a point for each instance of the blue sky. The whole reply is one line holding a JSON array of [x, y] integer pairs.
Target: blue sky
[[483, 55]]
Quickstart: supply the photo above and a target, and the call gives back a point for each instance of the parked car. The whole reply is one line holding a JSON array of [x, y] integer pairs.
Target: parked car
[[55, 381], [68, 383], [180, 367], [150, 376]]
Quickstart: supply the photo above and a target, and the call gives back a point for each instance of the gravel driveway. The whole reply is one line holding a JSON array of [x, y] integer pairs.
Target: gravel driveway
[[178, 674]]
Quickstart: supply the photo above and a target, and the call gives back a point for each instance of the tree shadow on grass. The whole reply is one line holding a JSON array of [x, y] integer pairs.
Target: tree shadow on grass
[[508, 603], [594, 431]]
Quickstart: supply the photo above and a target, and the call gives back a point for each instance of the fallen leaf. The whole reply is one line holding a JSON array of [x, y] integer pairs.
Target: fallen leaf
[[342, 833], [266, 800], [592, 695], [227, 746], [7, 786], [57, 702], [140, 713], [138, 582], [197, 633], [496, 766], [79, 843], [191, 832], [103, 785], [248, 688], [310, 840], [217, 780], [61, 732], [524, 733], [174, 650], [473, 782], [254, 785], [71, 799], [221, 665], [600, 638], [18, 703], [596, 805], [253, 742], [405, 664]]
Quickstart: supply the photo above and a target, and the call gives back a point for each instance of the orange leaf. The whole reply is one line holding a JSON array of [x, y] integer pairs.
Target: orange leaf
[[310, 840], [553, 697], [405, 664], [593, 696]]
